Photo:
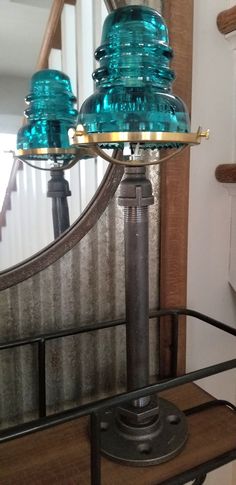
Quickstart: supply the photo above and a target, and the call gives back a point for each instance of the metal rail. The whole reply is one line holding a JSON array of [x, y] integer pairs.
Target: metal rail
[[175, 312], [93, 409]]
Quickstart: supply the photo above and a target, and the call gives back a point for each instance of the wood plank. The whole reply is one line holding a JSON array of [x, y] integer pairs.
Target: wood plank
[[226, 20], [60, 455], [175, 192]]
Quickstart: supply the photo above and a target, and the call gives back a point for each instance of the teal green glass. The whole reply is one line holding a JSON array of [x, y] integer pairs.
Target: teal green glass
[[134, 80], [50, 113]]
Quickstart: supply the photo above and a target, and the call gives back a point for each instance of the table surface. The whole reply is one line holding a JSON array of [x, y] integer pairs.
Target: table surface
[[61, 455]]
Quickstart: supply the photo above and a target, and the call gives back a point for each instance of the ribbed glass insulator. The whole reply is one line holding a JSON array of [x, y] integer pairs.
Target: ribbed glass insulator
[[50, 113], [134, 80]]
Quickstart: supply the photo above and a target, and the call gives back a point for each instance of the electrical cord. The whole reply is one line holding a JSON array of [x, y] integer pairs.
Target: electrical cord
[[208, 405], [200, 480]]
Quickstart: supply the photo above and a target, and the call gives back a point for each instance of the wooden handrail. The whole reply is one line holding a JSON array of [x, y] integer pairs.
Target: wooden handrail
[[226, 20], [112, 4], [226, 173], [50, 32]]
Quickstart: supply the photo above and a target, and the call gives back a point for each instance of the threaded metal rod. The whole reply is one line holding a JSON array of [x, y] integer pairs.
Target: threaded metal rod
[[58, 190], [60, 215], [135, 197], [137, 304]]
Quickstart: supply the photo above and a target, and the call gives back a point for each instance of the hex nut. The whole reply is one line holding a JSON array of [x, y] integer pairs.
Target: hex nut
[[140, 415]]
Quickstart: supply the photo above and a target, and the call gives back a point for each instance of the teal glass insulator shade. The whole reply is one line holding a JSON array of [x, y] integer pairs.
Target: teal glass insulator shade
[[134, 80], [50, 113]]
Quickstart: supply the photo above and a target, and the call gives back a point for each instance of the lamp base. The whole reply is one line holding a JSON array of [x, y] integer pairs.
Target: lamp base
[[144, 445]]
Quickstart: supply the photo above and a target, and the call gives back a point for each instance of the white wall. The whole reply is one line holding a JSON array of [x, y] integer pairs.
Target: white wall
[[210, 206], [13, 90]]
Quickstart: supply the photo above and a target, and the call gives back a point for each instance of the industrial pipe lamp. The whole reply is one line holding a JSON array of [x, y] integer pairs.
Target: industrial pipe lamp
[[134, 110]]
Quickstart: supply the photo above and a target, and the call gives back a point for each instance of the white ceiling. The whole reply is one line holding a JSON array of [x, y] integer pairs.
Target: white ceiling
[[22, 26], [33, 3]]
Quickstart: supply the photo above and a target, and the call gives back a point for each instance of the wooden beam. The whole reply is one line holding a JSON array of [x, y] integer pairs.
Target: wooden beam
[[175, 193], [226, 20]]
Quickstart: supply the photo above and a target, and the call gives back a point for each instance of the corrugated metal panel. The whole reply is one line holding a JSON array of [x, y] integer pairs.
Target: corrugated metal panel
[[85, 285]]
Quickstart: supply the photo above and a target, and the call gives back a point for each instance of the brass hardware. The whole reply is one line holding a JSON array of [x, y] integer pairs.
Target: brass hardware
[[86, 145], [98, 152], [45, 151], [34, 154], [80, 137], [205, 134]]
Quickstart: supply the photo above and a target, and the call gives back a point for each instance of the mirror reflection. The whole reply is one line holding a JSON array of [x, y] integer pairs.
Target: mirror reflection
[[26, 196]]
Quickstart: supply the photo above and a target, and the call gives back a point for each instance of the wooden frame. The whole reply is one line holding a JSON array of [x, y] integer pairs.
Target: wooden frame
[[175, 193], [72, 236]]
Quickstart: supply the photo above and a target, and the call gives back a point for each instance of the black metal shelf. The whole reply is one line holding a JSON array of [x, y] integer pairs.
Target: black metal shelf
[[94, 409]]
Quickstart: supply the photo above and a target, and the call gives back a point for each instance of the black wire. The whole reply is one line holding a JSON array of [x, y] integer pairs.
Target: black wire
[[209, 405], [200, 480], [203, 407]]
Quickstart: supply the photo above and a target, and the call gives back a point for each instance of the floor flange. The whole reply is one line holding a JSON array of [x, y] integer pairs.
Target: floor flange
[[147, 445]]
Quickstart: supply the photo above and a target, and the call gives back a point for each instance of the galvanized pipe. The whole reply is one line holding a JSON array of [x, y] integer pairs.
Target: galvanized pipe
[[137, 302], [135, 197], [58, 191], [60, 215]]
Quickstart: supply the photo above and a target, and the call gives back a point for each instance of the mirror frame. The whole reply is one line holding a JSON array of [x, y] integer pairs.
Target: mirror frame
[[106, 190], [56, 249]]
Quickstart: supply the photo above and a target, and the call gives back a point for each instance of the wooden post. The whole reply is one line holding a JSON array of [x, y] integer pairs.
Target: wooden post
[[174, 192]]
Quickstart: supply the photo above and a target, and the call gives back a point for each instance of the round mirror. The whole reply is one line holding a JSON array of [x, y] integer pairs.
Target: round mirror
[[29, 213]]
